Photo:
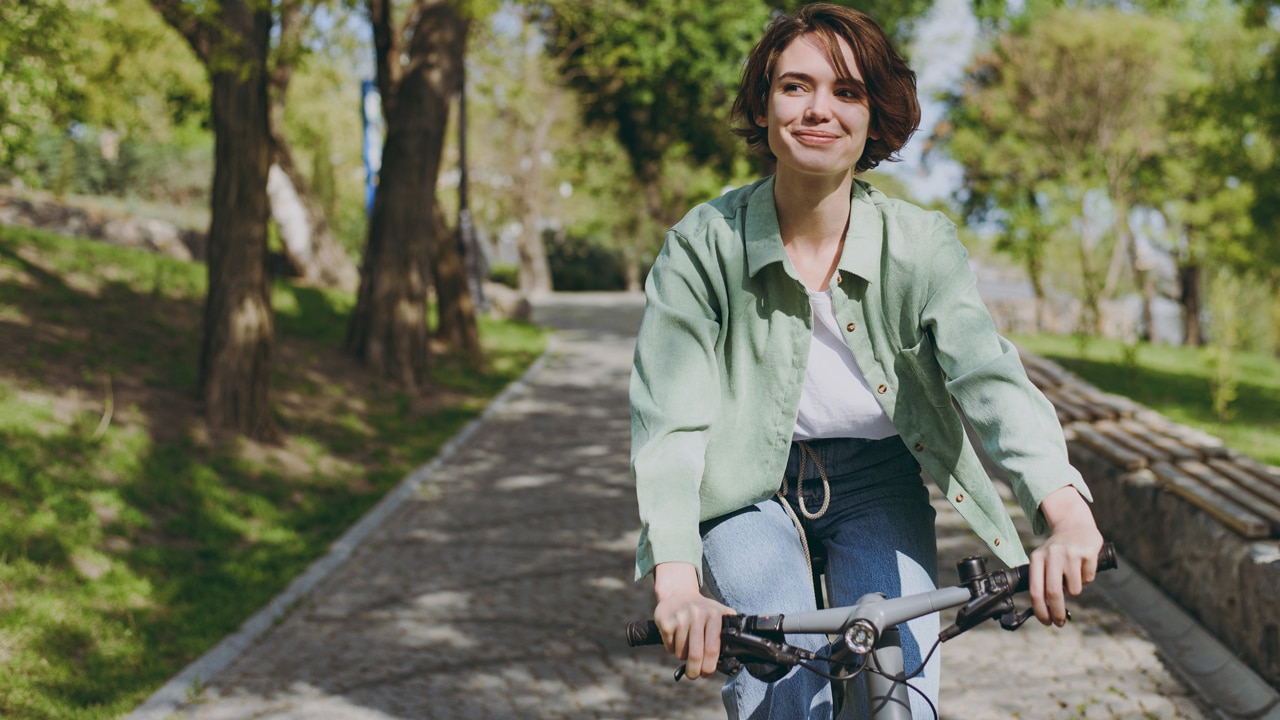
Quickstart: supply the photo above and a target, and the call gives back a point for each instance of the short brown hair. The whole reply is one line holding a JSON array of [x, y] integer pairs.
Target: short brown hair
[[891, 85]]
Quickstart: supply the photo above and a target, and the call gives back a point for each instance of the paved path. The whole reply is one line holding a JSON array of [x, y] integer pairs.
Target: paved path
[[501, 589]]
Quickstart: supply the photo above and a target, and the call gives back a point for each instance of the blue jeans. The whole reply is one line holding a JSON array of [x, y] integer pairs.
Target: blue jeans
[[879, 536]]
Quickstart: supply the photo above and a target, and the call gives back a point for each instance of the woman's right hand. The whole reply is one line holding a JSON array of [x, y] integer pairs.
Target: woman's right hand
[[688, 620]]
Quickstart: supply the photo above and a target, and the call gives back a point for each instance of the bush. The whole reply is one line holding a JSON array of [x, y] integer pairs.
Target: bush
[[578, 263], [505, 274]]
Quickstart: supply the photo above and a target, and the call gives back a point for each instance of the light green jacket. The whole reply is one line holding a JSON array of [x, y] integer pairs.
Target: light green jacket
[[722, 351]]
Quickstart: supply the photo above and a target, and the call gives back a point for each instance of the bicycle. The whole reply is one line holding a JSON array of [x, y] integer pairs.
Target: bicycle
[[867, 644]]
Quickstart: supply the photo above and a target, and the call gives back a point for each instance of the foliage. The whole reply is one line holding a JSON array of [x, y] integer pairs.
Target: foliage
[[1176, 382], [131, 545], [578, 263], [111, 66], [660, 73], [322, 124], [38, 85], [1051, 127]]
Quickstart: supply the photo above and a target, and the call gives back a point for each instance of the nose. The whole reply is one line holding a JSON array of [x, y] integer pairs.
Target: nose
[[819, 107]]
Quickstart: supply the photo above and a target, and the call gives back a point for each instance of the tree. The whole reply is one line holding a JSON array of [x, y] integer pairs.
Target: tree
[[662, 75], [305, 228], [1200, 182], [525, 100], [419, 68], [1073, 103], [232, 39]]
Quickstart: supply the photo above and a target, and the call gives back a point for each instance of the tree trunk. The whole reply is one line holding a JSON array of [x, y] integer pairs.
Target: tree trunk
[[239, 331], [457, 330], [535, 273], [1035, 271], [388, 328], [311, 250], [310, 245], [1189, 291]]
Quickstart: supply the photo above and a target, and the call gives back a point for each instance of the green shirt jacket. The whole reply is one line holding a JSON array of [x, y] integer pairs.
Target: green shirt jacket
[[722, 351]]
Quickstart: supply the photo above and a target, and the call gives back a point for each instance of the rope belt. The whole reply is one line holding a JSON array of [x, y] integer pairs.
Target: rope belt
[[806, 453]]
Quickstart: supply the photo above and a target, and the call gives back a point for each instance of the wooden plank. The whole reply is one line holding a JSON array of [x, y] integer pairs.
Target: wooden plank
[[1073, 395], [1123, 438], [1240, 520], [1066, 407], [1223, 485], [1264, 490], [1053, 372], [1169, 444], [1039, 378], [1121, 456], [1122, 406], [1269, 474]]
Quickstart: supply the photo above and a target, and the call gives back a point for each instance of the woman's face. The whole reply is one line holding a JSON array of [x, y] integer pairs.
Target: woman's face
[[818, 122]]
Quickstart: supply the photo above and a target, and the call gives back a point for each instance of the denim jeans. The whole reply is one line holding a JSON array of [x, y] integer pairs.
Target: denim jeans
[[879, 536]]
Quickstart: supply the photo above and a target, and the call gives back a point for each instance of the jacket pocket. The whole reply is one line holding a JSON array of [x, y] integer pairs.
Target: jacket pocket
[[918, 366]]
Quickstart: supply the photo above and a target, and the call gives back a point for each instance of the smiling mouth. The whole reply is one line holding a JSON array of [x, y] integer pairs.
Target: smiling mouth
[[812, 138]]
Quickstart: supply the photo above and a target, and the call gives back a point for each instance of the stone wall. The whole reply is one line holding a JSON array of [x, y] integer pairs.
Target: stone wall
[[1197, 519]]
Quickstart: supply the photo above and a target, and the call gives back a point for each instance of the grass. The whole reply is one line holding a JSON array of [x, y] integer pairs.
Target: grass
[[1175, 381], [130, 540]]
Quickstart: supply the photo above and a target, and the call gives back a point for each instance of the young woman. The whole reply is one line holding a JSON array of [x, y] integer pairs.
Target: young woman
[[803, 342]]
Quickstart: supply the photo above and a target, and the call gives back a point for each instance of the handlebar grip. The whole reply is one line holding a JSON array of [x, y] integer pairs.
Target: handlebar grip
[[643, 632], [1106, 561], [1107, 557]]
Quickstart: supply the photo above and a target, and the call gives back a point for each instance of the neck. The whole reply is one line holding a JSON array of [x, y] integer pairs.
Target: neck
[[812, 211]]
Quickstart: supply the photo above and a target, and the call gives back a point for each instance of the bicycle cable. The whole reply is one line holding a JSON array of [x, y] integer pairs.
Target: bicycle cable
[[899, 679]]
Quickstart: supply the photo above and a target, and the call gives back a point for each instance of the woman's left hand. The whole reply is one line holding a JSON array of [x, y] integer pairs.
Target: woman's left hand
[[1068, 560]]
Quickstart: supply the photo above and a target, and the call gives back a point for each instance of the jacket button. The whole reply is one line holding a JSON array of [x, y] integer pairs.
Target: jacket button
[[851, 327], [919, 447], [882, 389], [839, 277], [997, 542], [960, 498]]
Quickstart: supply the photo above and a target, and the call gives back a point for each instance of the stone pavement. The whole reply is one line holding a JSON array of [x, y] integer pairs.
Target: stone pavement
[[500, 589]]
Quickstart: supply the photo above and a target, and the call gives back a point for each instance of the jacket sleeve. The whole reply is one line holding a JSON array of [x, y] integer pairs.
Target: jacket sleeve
[[1016, 424], [674, 395]]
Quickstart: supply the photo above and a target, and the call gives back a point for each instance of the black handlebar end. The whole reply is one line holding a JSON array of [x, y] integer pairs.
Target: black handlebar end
[[643, 632], [1107, 557]]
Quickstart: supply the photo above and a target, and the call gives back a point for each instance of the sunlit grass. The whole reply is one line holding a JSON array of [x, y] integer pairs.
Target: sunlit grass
[[130, 543], [1175, 381]]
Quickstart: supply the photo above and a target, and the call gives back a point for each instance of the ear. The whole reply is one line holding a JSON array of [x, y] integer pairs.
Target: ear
[[762, 120]]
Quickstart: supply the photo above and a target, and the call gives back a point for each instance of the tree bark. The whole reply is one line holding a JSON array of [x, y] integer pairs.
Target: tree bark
[[311, 249], [535, 272], [457, 329], [388, 329], [239, 330], [310, 245], [1189, 291]]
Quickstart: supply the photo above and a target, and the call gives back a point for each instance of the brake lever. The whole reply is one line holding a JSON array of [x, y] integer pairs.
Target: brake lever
[[1013, 621]]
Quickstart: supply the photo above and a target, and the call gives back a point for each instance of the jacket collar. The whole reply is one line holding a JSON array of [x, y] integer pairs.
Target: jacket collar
[[862, 241]]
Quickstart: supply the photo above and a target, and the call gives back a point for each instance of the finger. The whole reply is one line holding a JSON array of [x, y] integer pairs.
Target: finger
[[1091, 566], [693, 662], [1055, 598], [711, 646], [1074, 569], [1036, 588]]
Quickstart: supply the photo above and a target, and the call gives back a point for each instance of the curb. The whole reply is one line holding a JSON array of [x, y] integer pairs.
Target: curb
[[1230, 688], [183, 687]]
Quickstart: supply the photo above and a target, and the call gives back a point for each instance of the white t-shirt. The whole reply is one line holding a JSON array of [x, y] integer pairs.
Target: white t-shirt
[[836, 401]]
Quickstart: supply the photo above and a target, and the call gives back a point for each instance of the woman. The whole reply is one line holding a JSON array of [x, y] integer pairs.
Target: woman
[[803, 341]]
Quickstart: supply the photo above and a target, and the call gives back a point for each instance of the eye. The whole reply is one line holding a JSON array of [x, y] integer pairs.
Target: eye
[[792, 88]]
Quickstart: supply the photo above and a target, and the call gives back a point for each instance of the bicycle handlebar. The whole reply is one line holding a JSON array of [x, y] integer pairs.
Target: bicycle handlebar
[[990, 597]]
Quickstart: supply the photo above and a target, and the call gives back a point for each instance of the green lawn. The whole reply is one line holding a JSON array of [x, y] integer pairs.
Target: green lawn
[[1175, 381], [130, 542]]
